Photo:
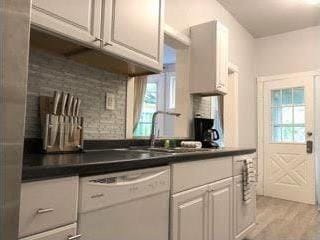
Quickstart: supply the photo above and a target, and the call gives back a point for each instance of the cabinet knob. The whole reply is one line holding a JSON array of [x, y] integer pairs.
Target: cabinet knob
[[107, 44], [98, 39]]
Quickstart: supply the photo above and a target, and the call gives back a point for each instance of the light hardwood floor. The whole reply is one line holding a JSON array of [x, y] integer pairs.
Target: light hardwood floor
[[285, 220]]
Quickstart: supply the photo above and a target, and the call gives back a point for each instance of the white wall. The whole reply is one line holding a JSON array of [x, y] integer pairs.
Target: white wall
[[291, 52], [181, 14]]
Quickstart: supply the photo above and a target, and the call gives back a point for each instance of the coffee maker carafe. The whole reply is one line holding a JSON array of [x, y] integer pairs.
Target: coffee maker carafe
[[205, 133]]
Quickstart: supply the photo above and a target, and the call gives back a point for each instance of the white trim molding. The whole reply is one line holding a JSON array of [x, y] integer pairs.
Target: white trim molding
[[176, 38], [260, 112]]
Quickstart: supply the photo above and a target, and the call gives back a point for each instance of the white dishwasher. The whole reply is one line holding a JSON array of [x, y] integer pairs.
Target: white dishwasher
[[131, 205]]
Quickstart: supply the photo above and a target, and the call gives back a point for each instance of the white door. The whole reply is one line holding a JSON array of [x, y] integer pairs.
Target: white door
[[189, 214], [289, 171]]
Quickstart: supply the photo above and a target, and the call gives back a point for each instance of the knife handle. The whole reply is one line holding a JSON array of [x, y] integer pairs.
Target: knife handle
[[74, 106], [46, 135], [64, 101], [78, 107], [70, 100], [56, 98]]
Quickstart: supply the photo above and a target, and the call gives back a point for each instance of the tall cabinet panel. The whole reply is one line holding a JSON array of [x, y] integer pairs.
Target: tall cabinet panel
[[134, 29], [220, 210], [189, 213], [244, 213], [79, 20]]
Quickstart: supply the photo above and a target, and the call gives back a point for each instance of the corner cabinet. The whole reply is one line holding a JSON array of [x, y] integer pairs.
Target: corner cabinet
[[203, 213], [244, 213], [79, 20], [209, 59], [133, 29]]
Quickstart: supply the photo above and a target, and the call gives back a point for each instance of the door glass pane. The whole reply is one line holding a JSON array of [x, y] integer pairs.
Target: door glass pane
[[276, 97], [276, 134], [298, 95], [287, 115], [287, 96], [276, 115], [287, 134], [299, 134], [299, 115]]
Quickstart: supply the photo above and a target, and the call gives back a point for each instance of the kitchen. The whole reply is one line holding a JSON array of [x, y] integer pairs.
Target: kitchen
[[105, 104]]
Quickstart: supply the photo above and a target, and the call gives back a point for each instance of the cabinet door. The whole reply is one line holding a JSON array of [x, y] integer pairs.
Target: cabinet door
[[189, 214], [79, 20], [220, 210], [222, 57], [133, 29], [244, 213], [62, 233]]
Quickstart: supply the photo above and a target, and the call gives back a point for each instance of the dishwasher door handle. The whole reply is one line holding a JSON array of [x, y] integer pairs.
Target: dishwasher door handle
[[136, 178]]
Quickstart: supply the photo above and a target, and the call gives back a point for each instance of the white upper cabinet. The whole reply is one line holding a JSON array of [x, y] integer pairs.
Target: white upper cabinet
[[79, 20], [209, 59], [133, 29], [130, 29]]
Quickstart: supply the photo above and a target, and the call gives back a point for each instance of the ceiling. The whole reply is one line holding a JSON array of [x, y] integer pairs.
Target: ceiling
[[269, 17]]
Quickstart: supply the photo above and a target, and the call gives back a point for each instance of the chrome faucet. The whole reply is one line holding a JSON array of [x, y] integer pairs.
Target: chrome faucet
[[154, 118]]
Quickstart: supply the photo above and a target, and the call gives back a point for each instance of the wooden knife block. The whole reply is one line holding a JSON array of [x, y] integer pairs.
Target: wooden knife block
[[63, 141]]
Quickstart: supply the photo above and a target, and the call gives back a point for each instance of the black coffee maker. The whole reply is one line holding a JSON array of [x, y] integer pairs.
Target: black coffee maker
[[204, 132]]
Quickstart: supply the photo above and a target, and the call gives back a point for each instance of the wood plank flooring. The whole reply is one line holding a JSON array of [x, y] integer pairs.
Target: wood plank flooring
[[285, 220]]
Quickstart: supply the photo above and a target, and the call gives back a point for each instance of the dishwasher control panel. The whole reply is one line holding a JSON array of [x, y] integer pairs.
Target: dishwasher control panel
[[106, 190]]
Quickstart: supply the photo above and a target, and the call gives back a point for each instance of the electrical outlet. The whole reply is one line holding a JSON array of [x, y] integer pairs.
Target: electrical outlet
[[110, 101]]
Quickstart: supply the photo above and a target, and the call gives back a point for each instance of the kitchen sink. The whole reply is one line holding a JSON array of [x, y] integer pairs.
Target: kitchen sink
[[169, 150]]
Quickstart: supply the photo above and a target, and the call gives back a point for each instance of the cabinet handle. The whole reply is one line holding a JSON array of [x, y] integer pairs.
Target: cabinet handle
[[98, 39], [44, 210], [107, 44], [74, 237]]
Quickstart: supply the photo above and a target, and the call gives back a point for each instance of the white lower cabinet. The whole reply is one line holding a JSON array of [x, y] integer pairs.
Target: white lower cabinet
[[220, 210], [244, 213], [189, 211], [203, 213], [63, 233]]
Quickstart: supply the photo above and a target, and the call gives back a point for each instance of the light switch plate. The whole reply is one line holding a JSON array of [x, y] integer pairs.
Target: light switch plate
[[110, 101]]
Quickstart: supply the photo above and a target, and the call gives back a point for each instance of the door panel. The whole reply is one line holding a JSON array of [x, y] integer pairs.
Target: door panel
[[77, 19], [288, 116], [220, 210], [189, 213], [134, 29]]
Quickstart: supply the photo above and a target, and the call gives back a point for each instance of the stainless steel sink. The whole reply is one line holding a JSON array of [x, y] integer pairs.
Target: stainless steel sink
[[169, 150], [178, 150]]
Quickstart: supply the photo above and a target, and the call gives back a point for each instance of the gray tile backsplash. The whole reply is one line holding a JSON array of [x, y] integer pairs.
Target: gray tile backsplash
[[49, 72], [202, 106]]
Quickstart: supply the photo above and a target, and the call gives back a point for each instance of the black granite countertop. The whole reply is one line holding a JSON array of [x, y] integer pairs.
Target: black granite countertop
[[45, 166]]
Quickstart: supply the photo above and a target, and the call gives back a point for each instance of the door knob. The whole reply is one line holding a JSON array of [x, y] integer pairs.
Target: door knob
[[309, 134]]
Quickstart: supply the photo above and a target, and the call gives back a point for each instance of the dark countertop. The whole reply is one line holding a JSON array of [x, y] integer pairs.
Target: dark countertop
[[45, 166]]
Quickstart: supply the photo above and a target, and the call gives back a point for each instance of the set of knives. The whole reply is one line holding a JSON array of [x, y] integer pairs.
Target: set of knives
[[63, 127]]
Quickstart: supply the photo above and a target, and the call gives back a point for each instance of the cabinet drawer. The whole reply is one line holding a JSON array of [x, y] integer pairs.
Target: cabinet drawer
[[196, 173], [48, 204], [63, 233]]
